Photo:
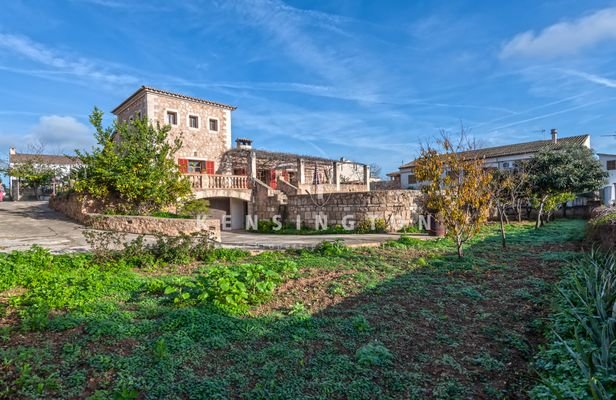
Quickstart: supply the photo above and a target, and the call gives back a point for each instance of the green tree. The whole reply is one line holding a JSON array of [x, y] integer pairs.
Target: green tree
[[569, 169], [457, 188], [133, 163]]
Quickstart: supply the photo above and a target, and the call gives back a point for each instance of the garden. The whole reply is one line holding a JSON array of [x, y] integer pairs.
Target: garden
[[176, 318]]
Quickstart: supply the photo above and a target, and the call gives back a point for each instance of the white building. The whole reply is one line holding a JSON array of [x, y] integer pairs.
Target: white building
[[608, 193], [507, 156], [63, 165]]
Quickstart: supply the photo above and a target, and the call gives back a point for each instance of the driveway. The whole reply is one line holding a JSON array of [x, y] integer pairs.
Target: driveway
[[25, 223]]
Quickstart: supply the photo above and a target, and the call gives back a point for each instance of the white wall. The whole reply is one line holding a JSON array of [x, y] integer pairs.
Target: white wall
[[609, 190], [238, 213]]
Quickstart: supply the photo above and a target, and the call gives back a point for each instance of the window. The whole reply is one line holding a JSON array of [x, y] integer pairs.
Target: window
[[172, 118], [193, 121], [195, 167], [412, 179], [611, 165], [505, 165], [213, 124]]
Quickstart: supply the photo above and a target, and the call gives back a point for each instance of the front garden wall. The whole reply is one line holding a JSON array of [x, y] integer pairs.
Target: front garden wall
[[86, 211]]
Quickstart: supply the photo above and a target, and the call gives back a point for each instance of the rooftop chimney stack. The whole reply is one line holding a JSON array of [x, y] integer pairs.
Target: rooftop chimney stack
[[12, 151], [554, 133], [242, 143]]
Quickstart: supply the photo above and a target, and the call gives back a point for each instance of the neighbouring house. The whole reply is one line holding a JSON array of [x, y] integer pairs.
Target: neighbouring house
[[502, 157], [237, 181], [608, 193], [62, 165]]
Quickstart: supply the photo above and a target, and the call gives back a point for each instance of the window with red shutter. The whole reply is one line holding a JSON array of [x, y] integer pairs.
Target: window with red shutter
[[183, 163], [209, 167], [273, 179]]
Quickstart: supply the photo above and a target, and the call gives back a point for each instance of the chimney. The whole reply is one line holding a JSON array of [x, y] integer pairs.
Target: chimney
[[242, 143], [554, 133], [12, 151]]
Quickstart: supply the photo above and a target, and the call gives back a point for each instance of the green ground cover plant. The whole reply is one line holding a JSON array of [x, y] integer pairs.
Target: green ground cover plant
[[579, 361], [405, 320]]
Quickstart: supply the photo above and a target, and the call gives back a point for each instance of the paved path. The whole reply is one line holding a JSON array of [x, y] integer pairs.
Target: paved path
[[280, 241], [23, 224]]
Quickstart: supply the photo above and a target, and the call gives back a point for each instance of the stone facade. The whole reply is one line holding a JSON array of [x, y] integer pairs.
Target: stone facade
[[200, 143]]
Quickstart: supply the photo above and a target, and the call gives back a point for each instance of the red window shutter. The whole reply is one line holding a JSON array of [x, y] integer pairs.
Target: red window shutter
[[209, 167], [273, 179], [183, 163]]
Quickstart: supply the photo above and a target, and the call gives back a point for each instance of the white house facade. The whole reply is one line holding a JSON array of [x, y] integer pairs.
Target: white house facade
[[608, 193]]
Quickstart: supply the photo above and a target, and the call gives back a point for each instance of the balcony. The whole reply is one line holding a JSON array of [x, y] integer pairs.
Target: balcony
[[201, 182]]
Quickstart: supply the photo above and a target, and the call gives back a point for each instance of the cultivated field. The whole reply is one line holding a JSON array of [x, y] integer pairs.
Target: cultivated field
[[406, 320]]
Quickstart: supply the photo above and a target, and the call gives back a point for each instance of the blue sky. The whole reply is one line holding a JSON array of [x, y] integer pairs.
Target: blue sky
[[368, 80]]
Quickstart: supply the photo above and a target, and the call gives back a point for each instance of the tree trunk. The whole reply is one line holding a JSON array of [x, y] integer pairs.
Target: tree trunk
[[502, 228], [459, 245], [539, 222]]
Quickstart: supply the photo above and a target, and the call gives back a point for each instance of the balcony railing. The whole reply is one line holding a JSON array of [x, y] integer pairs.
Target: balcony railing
[[204, 181]]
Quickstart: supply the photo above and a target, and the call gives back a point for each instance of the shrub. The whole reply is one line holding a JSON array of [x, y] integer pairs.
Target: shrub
[[377, 225], [580, 362], [373, 354]]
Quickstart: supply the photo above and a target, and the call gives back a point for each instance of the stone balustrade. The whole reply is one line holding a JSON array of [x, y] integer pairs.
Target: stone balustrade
[[205, 181]]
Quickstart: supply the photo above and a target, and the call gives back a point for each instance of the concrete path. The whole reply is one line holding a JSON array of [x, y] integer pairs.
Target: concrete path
[[23, 224], [279, 241]]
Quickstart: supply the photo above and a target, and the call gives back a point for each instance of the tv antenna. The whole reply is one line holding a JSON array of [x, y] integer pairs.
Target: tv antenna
[[610, 135]]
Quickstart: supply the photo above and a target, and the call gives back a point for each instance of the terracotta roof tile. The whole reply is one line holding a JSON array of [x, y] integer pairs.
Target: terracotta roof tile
[[148, 89]]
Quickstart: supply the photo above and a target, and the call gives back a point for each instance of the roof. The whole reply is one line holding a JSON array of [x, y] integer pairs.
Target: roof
[[49, 159], [148, 89], [277, 155], [392, 174], [519, 148]]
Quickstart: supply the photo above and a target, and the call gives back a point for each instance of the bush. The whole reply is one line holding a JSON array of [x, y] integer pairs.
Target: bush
[[368, 226], [373, 354], [165, 250], [579, 362]]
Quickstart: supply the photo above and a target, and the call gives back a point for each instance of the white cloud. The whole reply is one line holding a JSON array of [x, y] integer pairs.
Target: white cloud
[[79, 67], [62, 132], [564, 38]]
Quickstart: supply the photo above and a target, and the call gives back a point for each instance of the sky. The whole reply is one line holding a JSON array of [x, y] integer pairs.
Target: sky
[[365, 80]]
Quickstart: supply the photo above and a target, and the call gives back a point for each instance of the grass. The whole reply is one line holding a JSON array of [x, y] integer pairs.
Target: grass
[[407, 320]]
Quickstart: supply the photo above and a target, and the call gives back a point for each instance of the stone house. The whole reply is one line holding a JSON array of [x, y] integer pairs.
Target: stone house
[[239, 180]]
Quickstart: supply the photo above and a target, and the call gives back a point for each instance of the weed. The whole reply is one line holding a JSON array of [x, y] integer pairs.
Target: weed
[[374, 354]]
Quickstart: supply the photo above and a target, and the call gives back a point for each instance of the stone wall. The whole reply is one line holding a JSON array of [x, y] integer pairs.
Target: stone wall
[[86, 211], [398, 208], [154, 226]]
